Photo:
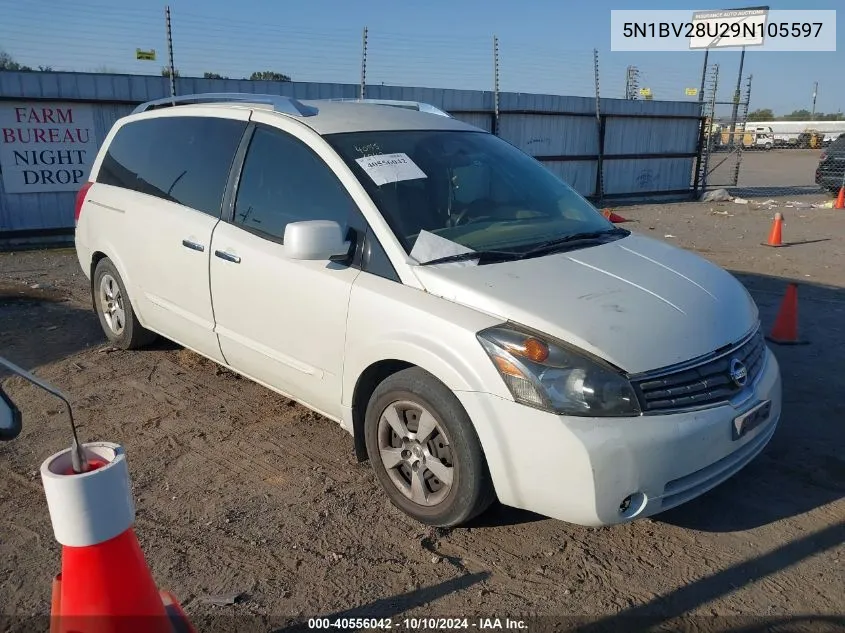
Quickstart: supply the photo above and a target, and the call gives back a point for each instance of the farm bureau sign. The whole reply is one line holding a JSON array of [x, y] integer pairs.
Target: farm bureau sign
[[46, 146]]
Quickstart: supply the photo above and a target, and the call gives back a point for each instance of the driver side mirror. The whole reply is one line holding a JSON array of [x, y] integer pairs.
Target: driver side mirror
[[316, 240], [10, 418]]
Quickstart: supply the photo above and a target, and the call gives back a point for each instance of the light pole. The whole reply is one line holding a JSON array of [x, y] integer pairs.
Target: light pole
[[815, 92]]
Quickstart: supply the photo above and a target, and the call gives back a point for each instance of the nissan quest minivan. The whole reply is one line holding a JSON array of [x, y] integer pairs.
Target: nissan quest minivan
[[479, 328]]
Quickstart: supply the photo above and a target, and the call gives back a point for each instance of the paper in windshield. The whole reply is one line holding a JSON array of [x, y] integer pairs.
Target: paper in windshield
[[430, 246], [387, 168]]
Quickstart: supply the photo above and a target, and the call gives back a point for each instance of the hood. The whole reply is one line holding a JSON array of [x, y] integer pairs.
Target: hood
[[639, 303]]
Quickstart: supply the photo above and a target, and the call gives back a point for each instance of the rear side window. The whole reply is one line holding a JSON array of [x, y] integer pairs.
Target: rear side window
[[839, 144], [284, 181], [181, 159]]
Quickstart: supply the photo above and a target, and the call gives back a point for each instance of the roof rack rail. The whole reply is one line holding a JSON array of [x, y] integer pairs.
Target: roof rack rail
[[411, 105], [285, 105]]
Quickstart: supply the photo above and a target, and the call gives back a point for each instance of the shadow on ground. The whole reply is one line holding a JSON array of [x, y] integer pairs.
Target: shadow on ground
[[34, 314]]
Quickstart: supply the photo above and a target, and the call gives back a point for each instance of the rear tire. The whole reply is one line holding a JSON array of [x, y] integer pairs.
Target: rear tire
[[114, 309], [424, 450]]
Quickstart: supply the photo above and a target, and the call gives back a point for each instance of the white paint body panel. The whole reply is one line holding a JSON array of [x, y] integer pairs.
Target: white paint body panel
[[309, 329], [280, 320], [611, 300]]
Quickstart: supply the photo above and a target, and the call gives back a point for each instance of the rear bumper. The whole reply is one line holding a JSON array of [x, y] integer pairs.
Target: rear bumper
[[581, 469]]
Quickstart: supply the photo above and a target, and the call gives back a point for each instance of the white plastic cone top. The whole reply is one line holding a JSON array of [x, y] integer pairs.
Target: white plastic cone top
[[92, 507]]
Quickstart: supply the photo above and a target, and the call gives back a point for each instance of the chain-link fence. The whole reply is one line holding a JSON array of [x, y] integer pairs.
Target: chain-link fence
[[774, 163]]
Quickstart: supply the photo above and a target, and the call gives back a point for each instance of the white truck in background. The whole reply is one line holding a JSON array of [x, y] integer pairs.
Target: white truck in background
[[801, 133]]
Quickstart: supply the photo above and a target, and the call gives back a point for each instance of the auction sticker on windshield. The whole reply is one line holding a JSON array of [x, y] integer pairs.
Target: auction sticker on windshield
[[386, 168]]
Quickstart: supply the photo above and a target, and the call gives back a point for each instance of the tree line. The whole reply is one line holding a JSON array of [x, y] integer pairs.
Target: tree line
[[766, 114], [7, 62]]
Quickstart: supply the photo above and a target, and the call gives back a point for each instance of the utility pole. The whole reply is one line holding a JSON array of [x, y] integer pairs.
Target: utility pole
[[815, 92]]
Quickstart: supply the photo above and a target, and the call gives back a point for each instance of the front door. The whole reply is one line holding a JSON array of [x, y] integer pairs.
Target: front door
[[281, 321]]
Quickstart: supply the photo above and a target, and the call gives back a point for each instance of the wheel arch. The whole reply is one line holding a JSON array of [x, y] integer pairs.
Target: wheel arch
[[458, 370], [100, 254]]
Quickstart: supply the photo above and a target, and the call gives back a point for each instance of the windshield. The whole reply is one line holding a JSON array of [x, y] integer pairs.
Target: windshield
[[471, 188]]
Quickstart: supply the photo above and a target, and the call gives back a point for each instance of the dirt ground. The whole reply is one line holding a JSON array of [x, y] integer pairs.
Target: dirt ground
[[239, 490], [778, 172]]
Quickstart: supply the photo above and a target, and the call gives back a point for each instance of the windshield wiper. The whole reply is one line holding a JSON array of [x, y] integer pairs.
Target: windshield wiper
[[463, 257], [586, 236]]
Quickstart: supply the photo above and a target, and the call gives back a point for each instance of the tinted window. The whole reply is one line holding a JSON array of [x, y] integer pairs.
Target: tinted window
[[284, 181], [181, 159]]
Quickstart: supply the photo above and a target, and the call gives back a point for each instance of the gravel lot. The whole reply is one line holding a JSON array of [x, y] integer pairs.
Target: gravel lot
[[778, 172], [241, 490]]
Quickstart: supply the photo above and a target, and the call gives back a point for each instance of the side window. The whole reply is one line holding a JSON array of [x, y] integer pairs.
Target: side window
[[284, 181], [181, 159]]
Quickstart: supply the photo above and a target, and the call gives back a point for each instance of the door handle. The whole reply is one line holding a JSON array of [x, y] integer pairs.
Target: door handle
[[193, 245], [228, 257]]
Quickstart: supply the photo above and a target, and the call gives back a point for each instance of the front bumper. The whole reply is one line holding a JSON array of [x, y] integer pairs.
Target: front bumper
[[581, 469]]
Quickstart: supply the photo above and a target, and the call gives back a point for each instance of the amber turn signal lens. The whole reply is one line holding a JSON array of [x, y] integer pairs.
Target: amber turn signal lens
[[507, 368], [535, 350]]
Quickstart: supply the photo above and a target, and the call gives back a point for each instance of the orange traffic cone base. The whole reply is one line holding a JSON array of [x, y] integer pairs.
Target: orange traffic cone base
[[176, 618], [785, 342], [613, 217]]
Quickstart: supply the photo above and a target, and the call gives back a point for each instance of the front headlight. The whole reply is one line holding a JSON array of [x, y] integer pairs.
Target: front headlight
[[548, 375]]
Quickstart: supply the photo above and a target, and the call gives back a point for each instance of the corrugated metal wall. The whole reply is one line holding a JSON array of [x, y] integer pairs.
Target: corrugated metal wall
[[563, 132]]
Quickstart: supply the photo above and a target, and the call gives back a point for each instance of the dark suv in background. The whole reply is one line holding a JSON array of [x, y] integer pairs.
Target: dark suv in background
[[830, 173]]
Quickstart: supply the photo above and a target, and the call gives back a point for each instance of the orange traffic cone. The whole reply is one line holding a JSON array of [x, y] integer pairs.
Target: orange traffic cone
[[610, 215], [105, 585], [840, 199], [775, 234], [785, 329]]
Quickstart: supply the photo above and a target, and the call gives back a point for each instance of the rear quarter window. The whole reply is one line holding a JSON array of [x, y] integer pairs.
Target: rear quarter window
[[181, 159], [839, 144]]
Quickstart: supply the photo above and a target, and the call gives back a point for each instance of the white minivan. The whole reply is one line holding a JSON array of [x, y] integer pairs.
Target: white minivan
[[479, 328]]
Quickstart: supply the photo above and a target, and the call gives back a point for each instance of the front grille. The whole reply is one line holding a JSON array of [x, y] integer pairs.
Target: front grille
[[701, 385]]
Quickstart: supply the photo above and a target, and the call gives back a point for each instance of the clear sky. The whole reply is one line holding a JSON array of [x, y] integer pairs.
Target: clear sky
[[545, 45]]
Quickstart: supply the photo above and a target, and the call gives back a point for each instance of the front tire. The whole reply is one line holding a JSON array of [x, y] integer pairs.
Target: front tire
[[114, 309], [424, 450]]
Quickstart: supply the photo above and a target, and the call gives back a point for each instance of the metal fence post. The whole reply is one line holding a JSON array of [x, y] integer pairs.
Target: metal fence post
[[599, 190], [712, 109], [736, 98], [170, 53], [700, 148], [741, 120], [703, 75], [495, 85], [364, 64]]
